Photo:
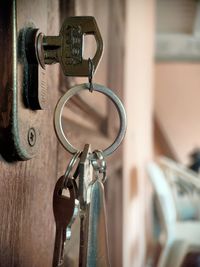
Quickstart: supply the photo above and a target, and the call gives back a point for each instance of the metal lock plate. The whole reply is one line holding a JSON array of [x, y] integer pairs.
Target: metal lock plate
[[20, 127]]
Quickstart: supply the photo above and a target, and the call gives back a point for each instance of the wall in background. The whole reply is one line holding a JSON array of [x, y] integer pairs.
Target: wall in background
[[138, 88], [177, 109]]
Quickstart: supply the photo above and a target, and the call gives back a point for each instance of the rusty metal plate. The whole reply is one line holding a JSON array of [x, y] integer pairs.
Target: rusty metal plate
[[19, 125]]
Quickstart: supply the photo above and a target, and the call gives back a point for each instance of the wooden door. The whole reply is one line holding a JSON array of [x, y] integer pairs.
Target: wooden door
[[27, 227]]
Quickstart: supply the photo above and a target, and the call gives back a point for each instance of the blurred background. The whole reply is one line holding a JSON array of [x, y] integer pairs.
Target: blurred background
[[151, 60], [161, 94]]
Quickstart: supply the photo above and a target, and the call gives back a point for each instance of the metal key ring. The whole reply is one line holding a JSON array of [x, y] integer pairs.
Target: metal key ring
[[99, 88], [99, 164], [70, 166], [72, 163]]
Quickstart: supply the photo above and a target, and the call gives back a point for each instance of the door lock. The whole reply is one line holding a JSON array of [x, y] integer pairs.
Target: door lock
[[23, 82]]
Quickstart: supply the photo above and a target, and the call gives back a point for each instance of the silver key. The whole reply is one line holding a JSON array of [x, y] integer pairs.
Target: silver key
[[93, 232], [97, 248]]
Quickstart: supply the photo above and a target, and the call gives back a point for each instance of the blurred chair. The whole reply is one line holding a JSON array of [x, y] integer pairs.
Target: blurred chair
[[177, 213]]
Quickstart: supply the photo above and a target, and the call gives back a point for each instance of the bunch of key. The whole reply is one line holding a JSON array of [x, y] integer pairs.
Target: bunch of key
[[80, 190], [91, 173]]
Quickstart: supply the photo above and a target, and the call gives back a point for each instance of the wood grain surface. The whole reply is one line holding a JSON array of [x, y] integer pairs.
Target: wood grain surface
[[26, 188]]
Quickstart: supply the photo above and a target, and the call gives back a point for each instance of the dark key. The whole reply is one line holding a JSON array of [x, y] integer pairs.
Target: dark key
[[63, 208]]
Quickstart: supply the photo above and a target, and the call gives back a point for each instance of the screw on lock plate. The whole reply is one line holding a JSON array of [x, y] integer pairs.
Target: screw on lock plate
[[67, 47]]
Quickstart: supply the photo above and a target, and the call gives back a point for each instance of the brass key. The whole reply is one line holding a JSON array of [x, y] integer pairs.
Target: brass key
[[63, 208], [67, 47]]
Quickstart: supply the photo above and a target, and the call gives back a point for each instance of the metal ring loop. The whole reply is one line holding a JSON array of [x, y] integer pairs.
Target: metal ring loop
[[98, 161], [70, 166], [99, 164], [99, 88], [72, 163]]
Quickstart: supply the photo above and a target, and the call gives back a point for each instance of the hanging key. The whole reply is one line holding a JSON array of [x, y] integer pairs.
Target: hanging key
[[63, 208], [91, 173], [93, 233], [97, 242]]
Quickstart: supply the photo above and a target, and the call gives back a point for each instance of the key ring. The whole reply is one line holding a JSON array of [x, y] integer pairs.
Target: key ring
[[70, 166], [99, 164], [99, 88]]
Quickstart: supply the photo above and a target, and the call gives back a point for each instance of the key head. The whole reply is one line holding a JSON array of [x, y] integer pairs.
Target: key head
[[67, 48], [70, 54], [63, 206]]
